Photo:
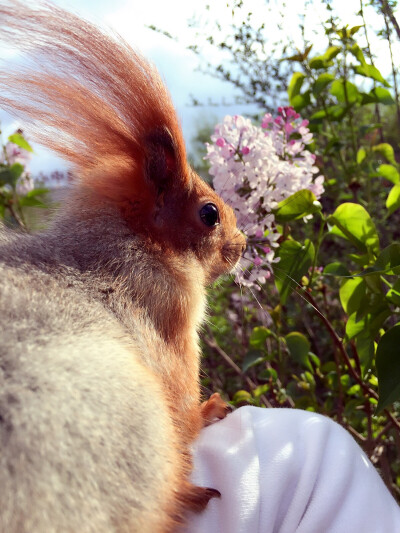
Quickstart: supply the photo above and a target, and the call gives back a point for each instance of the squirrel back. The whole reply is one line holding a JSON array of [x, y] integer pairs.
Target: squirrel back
[[99, 391]]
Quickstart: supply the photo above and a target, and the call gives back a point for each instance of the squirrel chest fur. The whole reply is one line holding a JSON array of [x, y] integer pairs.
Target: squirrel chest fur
[[99, 360]]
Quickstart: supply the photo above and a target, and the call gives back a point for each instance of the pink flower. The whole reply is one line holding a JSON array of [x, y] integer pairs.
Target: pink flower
[[220, 142], [291, 113], [245, 150], [288, 128], [266, 121]]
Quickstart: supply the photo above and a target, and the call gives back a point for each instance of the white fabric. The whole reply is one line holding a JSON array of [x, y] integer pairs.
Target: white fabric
[[288, 471]]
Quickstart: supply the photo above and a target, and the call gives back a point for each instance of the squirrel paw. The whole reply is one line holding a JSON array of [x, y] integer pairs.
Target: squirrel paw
[[214, 408]]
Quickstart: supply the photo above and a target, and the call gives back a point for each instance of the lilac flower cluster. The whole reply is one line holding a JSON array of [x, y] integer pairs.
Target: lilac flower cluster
[[254, 168]]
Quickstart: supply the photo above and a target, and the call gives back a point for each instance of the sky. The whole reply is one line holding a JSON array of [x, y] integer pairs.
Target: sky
[[179, 66]]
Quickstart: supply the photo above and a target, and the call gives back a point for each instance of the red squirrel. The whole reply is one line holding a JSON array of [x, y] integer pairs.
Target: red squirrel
[[99, 359]]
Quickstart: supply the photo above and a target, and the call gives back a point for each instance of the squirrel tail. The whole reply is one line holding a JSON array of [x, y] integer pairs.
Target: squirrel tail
[[85, 94]]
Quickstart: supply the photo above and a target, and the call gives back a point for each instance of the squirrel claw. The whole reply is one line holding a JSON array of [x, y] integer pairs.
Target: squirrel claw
[[214, 408], [197, 498]]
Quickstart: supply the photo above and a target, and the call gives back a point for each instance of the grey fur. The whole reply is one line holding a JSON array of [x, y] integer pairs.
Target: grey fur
[[85, 435]]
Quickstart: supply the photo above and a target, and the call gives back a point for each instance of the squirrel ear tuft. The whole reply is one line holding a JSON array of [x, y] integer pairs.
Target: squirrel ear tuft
[[164, 166]]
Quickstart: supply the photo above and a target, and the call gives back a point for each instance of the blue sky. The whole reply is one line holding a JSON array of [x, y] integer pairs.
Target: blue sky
[[178, 65]]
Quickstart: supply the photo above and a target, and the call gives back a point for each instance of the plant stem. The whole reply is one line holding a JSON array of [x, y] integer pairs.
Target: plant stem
[[317, 247], [387, 10]]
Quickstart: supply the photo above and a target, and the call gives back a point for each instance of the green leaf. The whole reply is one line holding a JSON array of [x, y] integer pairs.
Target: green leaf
[[261, 389], [331, 53], [26, 201], [301, 101], [269, 373], [393, 199], [20, 141], [366, 350], [389, 172], [324, 60], [339, 89], [258, 337], [388, 262], [369, 71], [322, 82], [10, 175], [355, 325], [296, 206], [334, 112], [295, 260], [252, 358], [383, 96], [36, 192], [367, 326], [317, 63], [352, 222], [361, 155], [377, 96], [387, 151], [361, 260], [295, 85], [336, 269], [357, 53], [352, 294], [388, 367], [354, 390], [354, 29], [242, 396], [315, 359], [299, 348]]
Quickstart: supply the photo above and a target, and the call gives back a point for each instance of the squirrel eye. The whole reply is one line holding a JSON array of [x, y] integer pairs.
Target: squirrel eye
[[209, 214]]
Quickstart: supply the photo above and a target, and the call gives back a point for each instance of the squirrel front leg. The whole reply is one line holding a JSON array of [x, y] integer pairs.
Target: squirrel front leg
[[215, 408]]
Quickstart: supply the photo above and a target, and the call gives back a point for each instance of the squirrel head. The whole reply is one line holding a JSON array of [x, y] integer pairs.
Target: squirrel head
[[172, 208]]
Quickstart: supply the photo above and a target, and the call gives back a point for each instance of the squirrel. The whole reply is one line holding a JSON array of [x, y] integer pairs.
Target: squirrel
[[99, 359]]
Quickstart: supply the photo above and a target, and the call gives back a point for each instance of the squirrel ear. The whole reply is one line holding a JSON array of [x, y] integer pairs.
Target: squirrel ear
[[163, 165]]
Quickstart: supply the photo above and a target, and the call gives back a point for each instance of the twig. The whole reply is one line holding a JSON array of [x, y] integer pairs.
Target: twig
[[387, 10], [356, 434]]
